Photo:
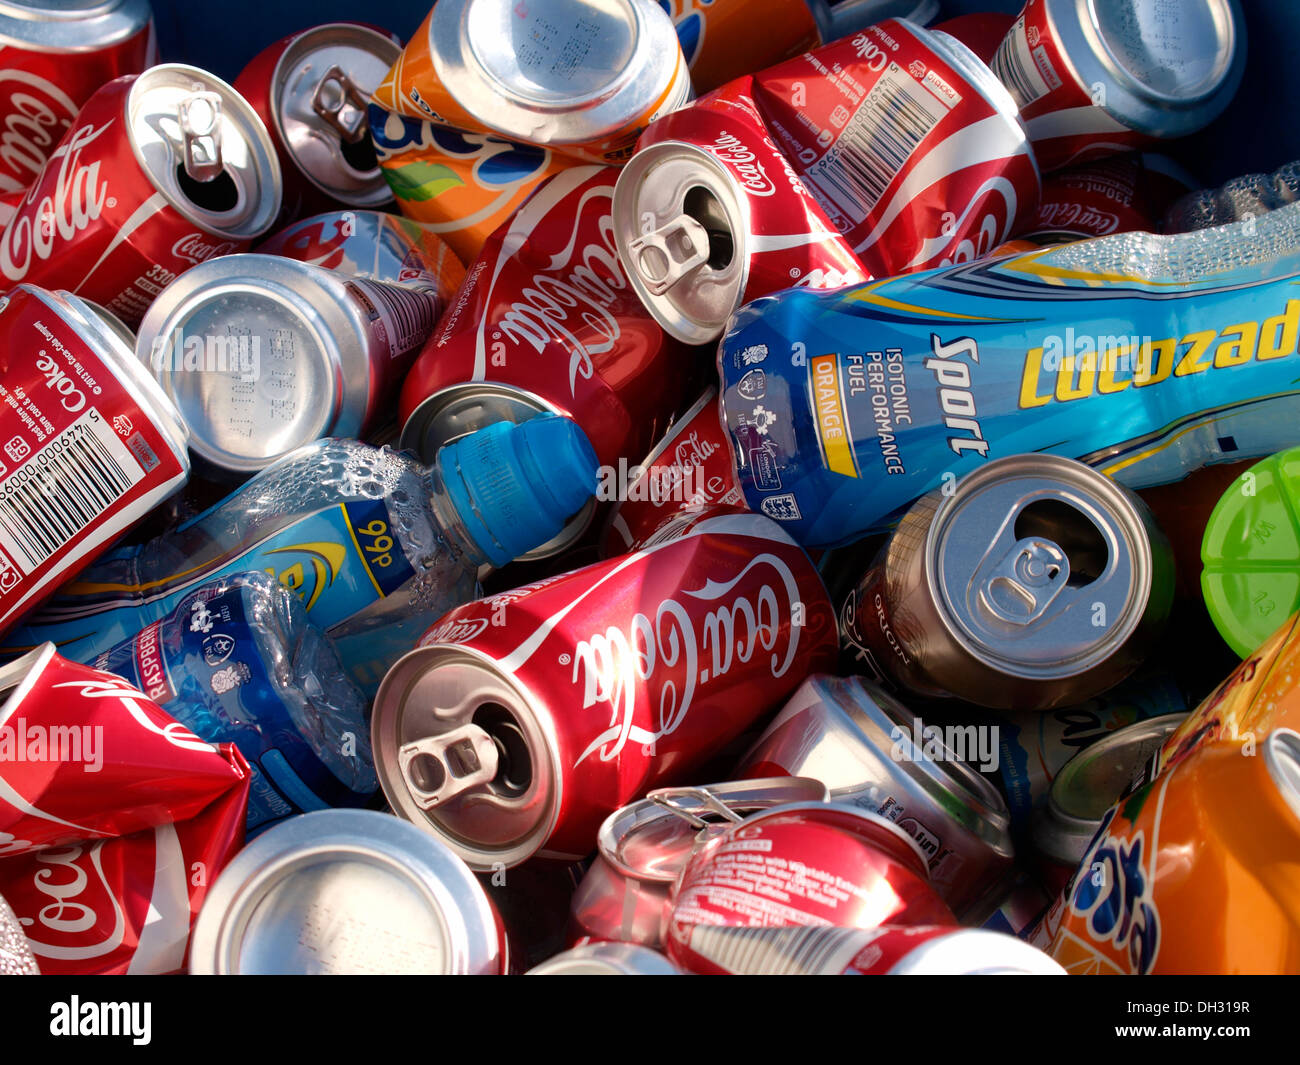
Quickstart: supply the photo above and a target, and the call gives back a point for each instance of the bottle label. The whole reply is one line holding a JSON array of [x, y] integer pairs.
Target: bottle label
[[206, 669], [338, 561]]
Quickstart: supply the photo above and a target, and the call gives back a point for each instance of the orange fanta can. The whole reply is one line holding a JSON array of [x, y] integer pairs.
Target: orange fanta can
[[1197, 870]]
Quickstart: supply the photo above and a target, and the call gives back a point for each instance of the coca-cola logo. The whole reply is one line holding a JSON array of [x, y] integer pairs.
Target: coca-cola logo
[[573, 302], [457, 630], [196, 249], [693, 451], [73, 879], [115, 688], [731, 151], [36, 114], [74, 200], [1078, 216], [671, 656]]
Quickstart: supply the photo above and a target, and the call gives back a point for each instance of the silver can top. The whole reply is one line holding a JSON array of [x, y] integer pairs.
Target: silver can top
[[319, 94], [462, 752], [1091, 782], [607, 959], [71, 25], [346, 892], [204, 148], [1166, 69], [652, 839], [682, 225], [1041, 567], [557, 72], [261, 354], [1282, 757]]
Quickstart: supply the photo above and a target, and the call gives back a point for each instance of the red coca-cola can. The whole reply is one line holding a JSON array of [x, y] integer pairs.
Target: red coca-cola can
[[803, 864], [311, 89], [642, 848], [90, 443], [546, 321], [114, 818], [53, 57], [709, 215], [691, 466], [523, 720], [1095, 79], [158, 172]]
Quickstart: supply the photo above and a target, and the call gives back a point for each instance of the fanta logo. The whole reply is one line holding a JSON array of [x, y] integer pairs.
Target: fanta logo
[[194, 248], [1112, 894], [76, 200], [672, 655], [36, 113], [315, 573], [732, 151]]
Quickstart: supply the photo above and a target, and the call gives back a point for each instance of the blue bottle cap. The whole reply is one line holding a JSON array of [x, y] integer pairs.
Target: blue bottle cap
[[515, 486]]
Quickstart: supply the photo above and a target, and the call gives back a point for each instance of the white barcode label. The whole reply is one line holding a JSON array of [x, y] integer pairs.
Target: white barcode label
[[896, 116], [1027, 73], [808, 951], [63, 489], [407, 315]]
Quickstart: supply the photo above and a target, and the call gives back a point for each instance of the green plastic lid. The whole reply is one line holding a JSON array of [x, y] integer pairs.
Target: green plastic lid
[[1251, 553]]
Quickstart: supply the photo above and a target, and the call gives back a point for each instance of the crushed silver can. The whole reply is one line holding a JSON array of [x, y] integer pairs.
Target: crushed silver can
[[1033, 582], [642, 848], [871, 751]]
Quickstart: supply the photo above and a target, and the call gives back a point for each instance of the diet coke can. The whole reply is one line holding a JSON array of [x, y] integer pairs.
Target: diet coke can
[[312, 90], [546, 321], [92, 443], [1034, 582], [802, 864], [1094, 79], [523, 720], [157, 173], [54, 56], [709, 215]]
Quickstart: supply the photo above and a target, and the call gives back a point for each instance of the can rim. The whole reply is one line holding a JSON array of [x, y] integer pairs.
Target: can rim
[[529, 712], [454, 897], [712, 176], [554, 119], [1282, 757], [374, 190], [1126, 519], [606, 959], [256, 218], [66, 28]]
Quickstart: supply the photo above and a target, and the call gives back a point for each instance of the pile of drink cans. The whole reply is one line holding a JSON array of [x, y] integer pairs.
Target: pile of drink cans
[[738, 486]]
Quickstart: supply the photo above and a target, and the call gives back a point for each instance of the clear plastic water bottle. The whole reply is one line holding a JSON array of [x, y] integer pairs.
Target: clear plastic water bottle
[[1240, 199], [376, 545], [238, 662]]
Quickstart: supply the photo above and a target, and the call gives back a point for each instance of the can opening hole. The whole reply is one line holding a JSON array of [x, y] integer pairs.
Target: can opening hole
[[360, 155], [427, 772], [514, 762], [704, 207], [1072, 531], [219, 194]]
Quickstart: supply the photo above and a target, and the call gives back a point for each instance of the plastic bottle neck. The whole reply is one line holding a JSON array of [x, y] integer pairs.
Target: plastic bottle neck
[[450, 524]]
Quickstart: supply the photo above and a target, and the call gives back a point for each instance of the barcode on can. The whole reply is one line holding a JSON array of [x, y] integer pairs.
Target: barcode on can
[[406, 314], [896, 116], [808, 951], [63, 489], [1026, 73]]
